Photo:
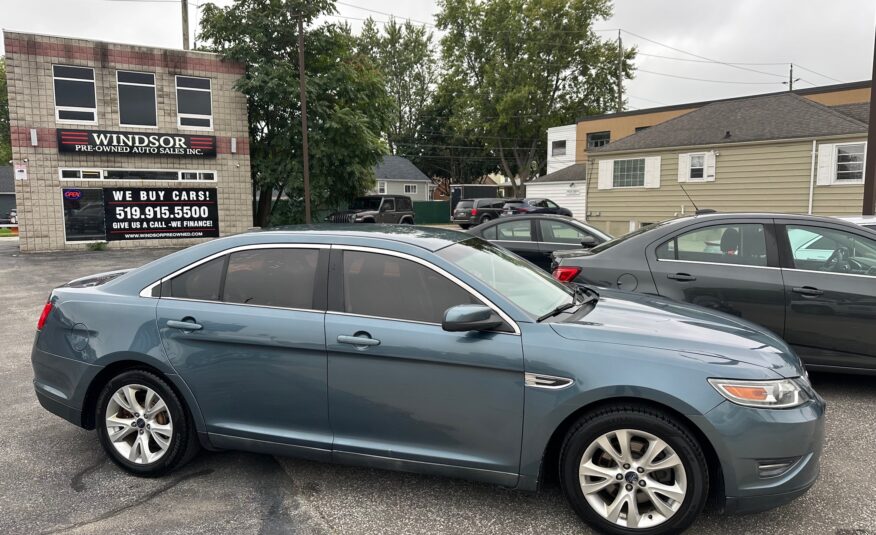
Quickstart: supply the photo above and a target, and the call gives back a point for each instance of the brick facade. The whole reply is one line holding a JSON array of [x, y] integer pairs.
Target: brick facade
[[29, 60]]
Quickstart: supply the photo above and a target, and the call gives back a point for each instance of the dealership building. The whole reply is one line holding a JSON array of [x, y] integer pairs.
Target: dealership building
[[129, 145]]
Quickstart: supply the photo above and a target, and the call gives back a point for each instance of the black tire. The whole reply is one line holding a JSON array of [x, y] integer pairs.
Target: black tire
[[407, 221], [464, 226], [630, 416], [183, 444], [485, 219]]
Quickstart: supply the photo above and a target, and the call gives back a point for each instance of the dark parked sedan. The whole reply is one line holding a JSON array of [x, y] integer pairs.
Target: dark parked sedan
[[534, 206], [431, 351], [537, 237], [811, 280], [470, 212]]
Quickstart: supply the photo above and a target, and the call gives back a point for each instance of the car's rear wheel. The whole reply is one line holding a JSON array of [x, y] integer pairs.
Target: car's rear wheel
[[485, 219], [143, 426], [630, 469]]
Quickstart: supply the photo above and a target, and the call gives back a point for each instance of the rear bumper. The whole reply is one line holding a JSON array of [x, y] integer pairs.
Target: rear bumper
[[61, 383], [71, 414]]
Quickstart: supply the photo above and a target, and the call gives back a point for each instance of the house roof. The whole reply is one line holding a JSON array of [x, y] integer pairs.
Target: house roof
[[572, 173], [7, 179], [863, 84], [399, 168], [757, 118], [859, 111]]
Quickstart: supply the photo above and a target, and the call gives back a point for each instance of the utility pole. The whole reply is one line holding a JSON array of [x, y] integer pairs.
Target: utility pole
[[302, 78], [870, 165], [791, 79], [620, 73], [185, 23]]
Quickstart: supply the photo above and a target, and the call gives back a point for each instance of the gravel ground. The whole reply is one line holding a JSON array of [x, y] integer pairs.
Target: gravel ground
[[54, 477]]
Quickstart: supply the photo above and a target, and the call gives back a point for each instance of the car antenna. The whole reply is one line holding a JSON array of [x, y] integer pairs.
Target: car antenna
[[689, 197]]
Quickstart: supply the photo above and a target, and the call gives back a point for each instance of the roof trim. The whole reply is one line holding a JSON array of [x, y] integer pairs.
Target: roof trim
[[718, 146], [52, 36], [863, 84]]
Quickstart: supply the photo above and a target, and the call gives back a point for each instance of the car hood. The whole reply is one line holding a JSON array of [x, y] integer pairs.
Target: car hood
[[649, 321]]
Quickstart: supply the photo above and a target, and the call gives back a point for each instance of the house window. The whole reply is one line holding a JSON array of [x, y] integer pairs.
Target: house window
[[411, 189], [628, 173], [134, 174], [850, 162], [83, 215], [697, 166], [137, 105], [558, 148], [194, 105], [74, 94], [381, 188], [598, 139]]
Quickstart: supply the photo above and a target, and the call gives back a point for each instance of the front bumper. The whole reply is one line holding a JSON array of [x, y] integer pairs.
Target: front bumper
[[744, 438]]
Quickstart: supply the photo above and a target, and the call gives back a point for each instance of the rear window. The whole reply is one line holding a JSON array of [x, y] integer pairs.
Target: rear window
[[464, 204], [611, 243], [512, 204]]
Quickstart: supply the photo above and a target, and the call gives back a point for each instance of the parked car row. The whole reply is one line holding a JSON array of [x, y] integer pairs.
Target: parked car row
[[441, 353], [472, 212]]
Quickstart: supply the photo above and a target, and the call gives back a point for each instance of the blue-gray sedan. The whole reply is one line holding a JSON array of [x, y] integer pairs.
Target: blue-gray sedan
[[436, 352]]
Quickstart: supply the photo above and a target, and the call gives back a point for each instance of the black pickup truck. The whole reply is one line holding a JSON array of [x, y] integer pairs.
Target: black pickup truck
[[472, 212], [376, 209]]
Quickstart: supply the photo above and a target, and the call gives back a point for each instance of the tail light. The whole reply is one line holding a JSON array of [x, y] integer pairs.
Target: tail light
[[566, 273], [44, 316], [474, 211]]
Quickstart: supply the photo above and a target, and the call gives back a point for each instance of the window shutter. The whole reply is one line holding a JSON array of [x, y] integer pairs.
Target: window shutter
[[683, 167], [709, 171], [826, 167], [652, 172], [606, 174]]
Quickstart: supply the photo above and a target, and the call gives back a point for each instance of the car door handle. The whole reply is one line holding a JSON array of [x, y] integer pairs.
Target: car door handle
[[358, 340], [184, 325], [681, 277], [807, 291]]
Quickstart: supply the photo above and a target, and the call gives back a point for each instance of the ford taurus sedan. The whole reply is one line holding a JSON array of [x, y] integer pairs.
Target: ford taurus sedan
[[431, 351], [811, 280]]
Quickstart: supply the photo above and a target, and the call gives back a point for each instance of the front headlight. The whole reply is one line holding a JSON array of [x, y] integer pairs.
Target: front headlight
[[774, 394]]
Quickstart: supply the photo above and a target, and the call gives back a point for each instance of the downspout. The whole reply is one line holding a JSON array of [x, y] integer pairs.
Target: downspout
[[812, 179]]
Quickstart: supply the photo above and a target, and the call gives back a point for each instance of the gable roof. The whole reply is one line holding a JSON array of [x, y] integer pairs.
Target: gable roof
[[859, 111], [758, 118], [7, 179], [572, 173], [397, 168]]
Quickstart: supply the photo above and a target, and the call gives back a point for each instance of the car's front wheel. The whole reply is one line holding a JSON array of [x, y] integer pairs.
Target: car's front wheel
[[630, 469], [143, 425]]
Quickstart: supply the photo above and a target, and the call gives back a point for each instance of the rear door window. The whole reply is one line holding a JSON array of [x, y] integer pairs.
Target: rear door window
[[559, 232], [272, 277], [202, 282], [516, 230], [743, 244]]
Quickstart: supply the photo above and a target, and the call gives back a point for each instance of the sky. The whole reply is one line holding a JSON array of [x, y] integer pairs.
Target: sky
[[829, 42]]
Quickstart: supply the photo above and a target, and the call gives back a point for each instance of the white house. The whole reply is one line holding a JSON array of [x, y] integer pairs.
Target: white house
[[566, 187], [560, 147]]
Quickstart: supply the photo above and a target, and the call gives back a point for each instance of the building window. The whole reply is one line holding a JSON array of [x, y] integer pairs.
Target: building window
[[194, 105], [558, 148], [83, 215], [411, 189], [628, 173], [74, 94], [137, 104], [850, 162], [598, 139], [697, 166], [135, 174], [381, 188]]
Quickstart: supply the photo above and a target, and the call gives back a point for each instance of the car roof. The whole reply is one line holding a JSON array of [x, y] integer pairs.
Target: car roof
[[756, 215], [429, 238]]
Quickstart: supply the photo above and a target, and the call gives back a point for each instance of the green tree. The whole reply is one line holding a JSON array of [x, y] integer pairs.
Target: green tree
[[5, 135], [348, 107], [523, 66]]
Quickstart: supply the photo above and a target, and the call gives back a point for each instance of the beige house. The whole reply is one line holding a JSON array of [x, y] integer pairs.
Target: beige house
[[773, 153]]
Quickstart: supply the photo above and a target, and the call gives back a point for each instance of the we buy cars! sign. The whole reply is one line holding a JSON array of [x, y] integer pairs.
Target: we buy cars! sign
[[135, 143]]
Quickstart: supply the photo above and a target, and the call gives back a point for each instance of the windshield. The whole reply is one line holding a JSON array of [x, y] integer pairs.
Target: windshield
[[648, 228], [365, 203], [526, 286]]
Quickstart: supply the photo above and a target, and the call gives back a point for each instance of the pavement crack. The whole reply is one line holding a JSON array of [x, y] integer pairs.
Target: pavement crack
[[119, 510], [76, 481]]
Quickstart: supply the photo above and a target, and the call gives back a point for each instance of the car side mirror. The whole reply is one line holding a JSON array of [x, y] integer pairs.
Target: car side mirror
[[588, 242], [462, 318]]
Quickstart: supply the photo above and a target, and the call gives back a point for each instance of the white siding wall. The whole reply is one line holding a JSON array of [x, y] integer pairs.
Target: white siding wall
[[561, 133], [394, 187], [571, 195]]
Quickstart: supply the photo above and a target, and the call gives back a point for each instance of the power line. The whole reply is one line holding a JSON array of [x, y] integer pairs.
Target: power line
[[384, 13], [705, 79], [706, 60], [818, 73]]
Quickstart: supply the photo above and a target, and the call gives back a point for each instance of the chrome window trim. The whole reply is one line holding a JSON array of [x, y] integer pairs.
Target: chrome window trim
[[505, 317], [147, 291], [716, 263], [829, 273]]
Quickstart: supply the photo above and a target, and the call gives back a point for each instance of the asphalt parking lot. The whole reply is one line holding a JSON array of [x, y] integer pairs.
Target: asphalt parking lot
[[54, 478]]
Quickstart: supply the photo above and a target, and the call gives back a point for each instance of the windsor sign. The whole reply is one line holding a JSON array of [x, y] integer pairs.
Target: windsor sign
[[135, 143]]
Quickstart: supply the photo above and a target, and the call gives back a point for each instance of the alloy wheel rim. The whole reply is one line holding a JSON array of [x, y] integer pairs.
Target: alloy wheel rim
[[138, 424], [632, 478]]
